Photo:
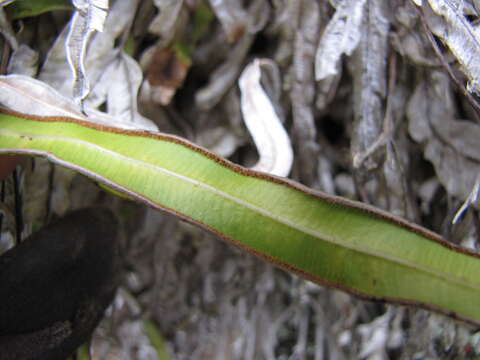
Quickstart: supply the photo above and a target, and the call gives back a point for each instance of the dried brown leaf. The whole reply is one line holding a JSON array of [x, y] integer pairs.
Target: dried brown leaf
[[165, 74]]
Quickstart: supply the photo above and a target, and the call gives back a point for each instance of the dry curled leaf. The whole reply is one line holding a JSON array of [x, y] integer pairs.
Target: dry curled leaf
[[233, 17], [163, 24], [305, 26], [89, 16], [114, 77], [101, 52], [447, 20], [264, 125], [34, 97], [120, 82], [225, 75], [370, 81], [450, 144], [341, 36], [24, 61]]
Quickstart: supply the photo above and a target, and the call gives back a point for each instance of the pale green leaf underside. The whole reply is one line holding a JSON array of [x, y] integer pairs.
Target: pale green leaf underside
[[328, 240]]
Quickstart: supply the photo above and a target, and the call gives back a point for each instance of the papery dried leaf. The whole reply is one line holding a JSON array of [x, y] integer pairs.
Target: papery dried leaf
[[397, 160], [89, 16], [24, 61], [370, 80], [448, 22], [476, 4], [37, 98], [408, 41], [102, 51], [416, 49], [375, 337], [120, 82], [454, 151], [326, 90], [95, 11], [341, 36], [460, 134], [76, 46], [164, 23], [102, 54], [7, 240], [456, 172], [431, 101], [7, 31], [451, 145], [398, 198], [284, 19], [223, 131], [233, 17], [56, 70], [264, 125], [37, 194], [419, 127], [303, 87], [225, 75]]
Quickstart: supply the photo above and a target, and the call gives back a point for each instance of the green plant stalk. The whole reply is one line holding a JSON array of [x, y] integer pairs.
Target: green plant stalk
[[326, 239]]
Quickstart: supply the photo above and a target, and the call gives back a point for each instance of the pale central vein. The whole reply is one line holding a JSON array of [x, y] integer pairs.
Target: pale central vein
[[246, 204]]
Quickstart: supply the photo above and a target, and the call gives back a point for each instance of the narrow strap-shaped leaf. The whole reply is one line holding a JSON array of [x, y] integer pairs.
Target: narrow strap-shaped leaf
[[329, 240]]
